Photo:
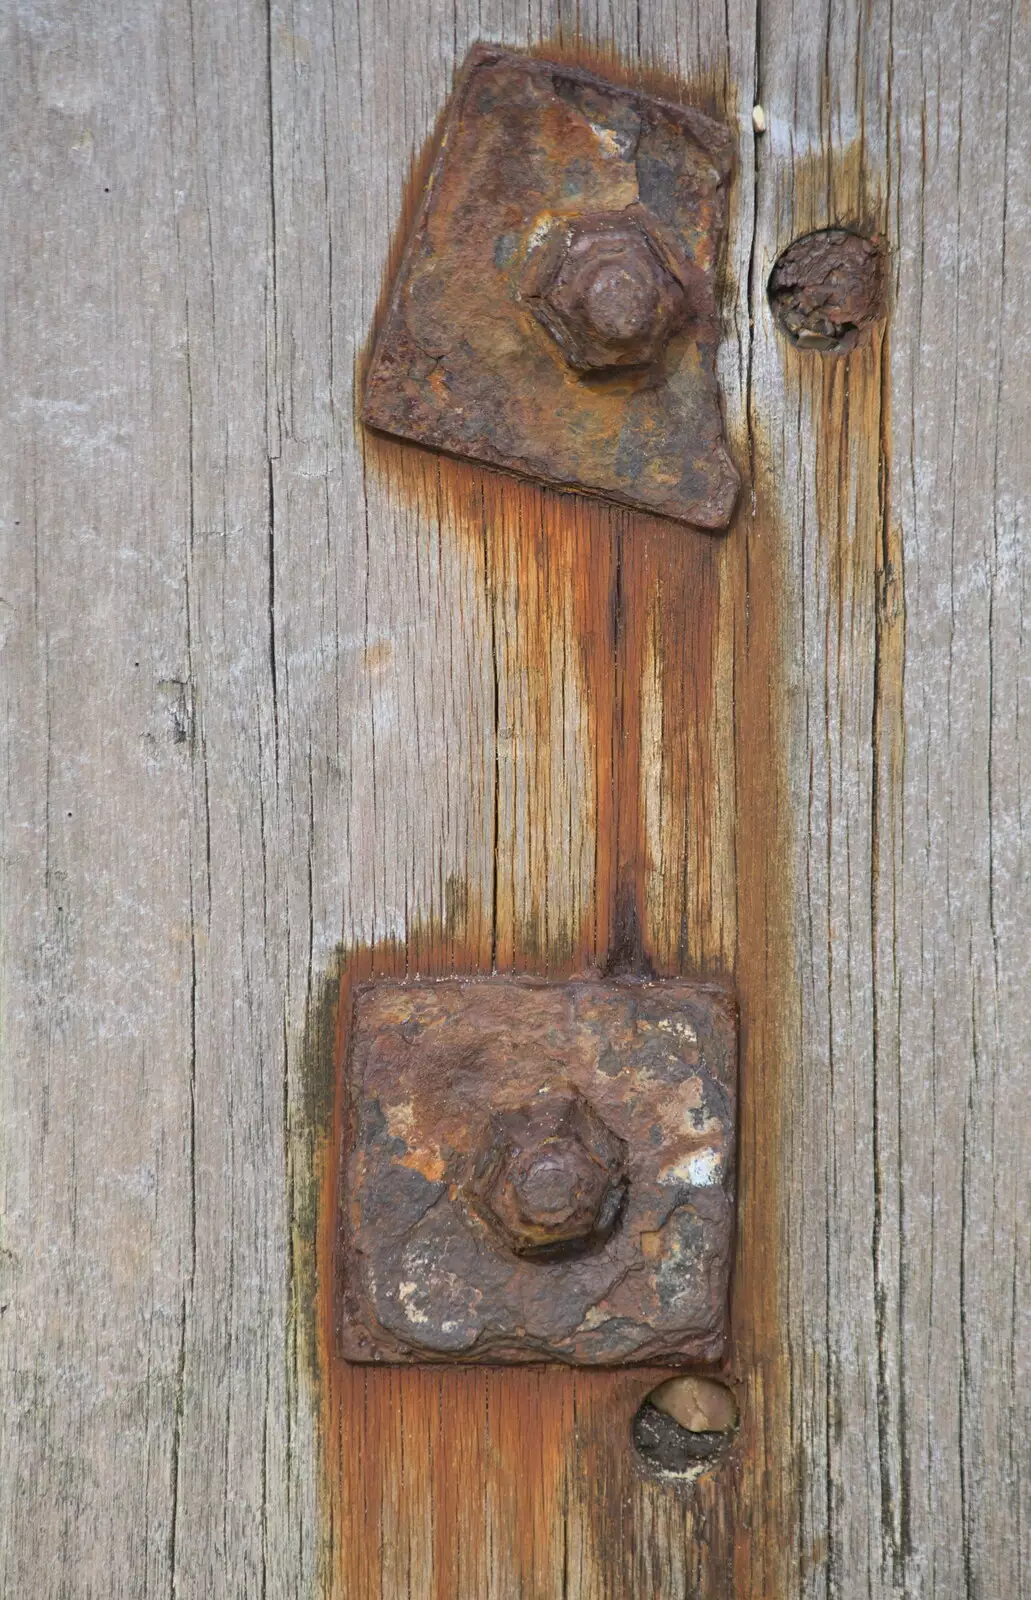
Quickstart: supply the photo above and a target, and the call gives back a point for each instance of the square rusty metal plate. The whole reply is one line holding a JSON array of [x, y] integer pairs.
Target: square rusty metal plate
[[552, 191], [466, 1097]]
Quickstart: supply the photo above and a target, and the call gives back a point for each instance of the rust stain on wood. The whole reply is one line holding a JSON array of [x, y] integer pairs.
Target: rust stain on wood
[[853, 567], [656, 620], [758, 1508], [462, 1483]]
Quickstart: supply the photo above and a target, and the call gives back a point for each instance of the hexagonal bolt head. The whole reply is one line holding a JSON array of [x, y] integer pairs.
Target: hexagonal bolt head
[[552, 1180], [609, 289]]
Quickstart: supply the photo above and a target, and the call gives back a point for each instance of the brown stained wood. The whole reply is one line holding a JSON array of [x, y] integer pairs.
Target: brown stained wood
[[275, 707]]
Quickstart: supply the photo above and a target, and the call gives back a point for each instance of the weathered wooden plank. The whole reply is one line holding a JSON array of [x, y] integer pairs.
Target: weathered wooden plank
[[823, 162], [402, 715], [954, 967], [153, 1430]]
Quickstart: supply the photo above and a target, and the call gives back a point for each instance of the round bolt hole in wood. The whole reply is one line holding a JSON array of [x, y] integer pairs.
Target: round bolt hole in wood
[[685, 1426]]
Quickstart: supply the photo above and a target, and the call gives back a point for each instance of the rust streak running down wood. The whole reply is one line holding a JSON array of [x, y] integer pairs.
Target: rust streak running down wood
[[639, 758], [641, 633], [665, 652]]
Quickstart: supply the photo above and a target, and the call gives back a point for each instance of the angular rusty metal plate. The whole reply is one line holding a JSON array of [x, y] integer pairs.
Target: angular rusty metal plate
[[484, 352], [448, 1082]]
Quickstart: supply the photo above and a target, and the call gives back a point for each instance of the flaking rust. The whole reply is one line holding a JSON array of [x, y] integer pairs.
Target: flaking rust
[[538, 1171], [555, 311]]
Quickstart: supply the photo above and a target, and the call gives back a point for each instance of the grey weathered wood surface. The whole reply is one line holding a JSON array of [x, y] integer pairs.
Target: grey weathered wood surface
[[248, 718]]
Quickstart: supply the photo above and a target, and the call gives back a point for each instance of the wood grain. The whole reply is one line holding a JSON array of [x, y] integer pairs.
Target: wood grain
[[283, 705]]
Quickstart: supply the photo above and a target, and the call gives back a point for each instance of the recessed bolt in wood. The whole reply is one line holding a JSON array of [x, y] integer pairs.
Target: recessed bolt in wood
[[827, 288]]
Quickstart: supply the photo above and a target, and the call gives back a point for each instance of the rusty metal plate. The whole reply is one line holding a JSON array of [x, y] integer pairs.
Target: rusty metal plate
[[555, 310], [538, 1171]]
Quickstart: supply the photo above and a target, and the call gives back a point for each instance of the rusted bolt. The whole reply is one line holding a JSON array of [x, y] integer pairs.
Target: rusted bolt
[[609, 289], [827, 288], [552, 1178]]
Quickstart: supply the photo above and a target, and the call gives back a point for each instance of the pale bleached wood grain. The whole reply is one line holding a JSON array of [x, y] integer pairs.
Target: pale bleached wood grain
[[249, 718]]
